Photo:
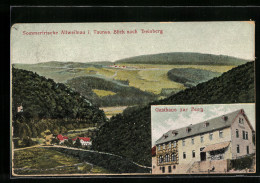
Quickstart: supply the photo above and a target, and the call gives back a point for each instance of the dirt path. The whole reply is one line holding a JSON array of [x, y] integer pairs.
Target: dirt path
[[39, 145]]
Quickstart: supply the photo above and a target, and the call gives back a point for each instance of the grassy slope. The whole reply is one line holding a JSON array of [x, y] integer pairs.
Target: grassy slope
[[36, 158], [131, 131], [103, 93], [39, 158]]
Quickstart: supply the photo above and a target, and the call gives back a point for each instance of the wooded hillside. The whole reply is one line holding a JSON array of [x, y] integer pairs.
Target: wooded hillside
[[124, 94], [48, 105], [129, 134], [183, 58]]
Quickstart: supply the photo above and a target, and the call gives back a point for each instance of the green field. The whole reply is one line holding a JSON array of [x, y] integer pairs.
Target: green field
[[111, 111], [103, 93], [46, 161]]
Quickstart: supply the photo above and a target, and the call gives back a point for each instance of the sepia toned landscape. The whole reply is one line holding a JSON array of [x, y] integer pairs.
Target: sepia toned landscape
[[85, 108]]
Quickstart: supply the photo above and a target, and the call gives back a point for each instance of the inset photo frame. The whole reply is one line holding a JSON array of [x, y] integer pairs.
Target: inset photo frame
[[203, 139]]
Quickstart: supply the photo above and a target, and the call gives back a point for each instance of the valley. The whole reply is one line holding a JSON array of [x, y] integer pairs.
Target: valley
[[107, 84]]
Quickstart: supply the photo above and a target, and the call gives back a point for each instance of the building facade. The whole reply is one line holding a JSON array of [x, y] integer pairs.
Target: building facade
[[204, 145]]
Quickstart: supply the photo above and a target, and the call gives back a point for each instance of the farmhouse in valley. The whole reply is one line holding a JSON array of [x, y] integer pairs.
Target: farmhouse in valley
[[85, 141], [62, 139], [206, 146]]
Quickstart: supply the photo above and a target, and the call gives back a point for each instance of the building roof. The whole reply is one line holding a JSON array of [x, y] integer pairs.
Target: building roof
[[215, 147], [82, 138], [220, 122], [60, 137]]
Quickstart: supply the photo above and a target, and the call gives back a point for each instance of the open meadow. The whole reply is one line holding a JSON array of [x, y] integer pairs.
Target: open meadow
[[47, 161]]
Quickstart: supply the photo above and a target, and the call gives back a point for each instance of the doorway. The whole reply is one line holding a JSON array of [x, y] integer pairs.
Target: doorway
[[202, 156]]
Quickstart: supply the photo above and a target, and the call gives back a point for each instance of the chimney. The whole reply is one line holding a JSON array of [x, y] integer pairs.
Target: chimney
[[225, 118], [188, 129]]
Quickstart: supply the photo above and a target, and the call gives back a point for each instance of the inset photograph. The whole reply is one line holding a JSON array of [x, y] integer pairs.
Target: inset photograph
[[203, 139]]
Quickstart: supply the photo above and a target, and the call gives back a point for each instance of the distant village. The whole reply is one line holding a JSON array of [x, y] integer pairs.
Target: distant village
[[125, 67], [117, 66]]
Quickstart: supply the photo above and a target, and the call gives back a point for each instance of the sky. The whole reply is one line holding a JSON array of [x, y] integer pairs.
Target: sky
[[220, 38], [162, 122]]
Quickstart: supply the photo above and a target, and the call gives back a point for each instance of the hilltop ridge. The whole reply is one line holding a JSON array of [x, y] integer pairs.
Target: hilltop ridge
[[183, 58]]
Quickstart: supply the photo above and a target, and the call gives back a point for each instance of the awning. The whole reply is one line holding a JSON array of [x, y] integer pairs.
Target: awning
[[215, 147]]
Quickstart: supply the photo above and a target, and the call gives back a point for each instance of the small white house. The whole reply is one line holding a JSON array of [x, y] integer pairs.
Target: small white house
[[85, 141]]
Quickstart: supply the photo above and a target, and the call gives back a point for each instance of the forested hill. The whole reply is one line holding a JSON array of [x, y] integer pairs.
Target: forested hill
[[183, 58], [129, 134], [53, 105]]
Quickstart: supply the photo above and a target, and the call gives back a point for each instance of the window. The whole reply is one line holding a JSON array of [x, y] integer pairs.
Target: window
[[167, 158], [192, 140], [238, 150], [163, 169], [175, 133], [174, 144], [206, 124], [193, 154], [163, 146], [159, 147], [170, 145], [241, 121], [247, 149], [210, 136], [169, 169], [160, 159], [183, 143], [201, 139], [184, 155], [188, 129], [174, 166], [246, 135], [173, 157], [237, 133], [220, 134]]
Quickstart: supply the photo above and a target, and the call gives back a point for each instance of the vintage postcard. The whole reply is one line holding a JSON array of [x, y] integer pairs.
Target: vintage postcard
[[81, 96], [203, 139]]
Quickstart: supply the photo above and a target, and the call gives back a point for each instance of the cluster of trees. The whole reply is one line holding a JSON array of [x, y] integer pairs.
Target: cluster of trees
[[243, 163], [34, 128], [191, 77], [48, 105], [125, 95], [129, 133]]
